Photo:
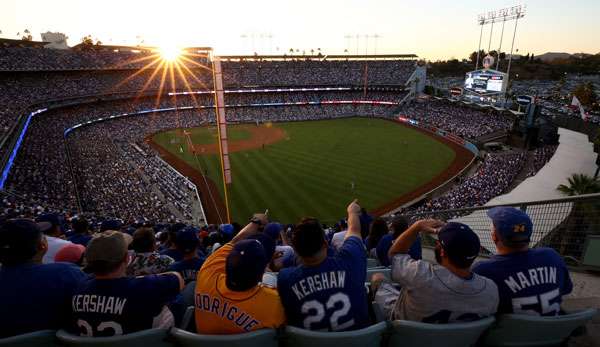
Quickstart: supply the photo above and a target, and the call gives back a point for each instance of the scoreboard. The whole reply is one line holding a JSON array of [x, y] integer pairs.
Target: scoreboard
[[485, 82]]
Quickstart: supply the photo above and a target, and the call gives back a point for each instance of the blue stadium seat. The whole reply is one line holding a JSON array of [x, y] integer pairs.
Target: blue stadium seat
[[188, 321], [371, 262], [417, 334], [522, 330], [367, 337], [145, 338], [386, 271], [34, 339], [259, 338], [188, 293]]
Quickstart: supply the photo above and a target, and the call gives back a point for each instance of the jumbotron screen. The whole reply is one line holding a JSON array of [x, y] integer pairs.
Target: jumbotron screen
[[485, 82]]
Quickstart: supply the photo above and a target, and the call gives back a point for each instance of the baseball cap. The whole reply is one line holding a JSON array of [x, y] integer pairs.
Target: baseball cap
[[108, 246], [187, 239], [460, 242], [267, 242], [47, 221], [110, 224], [18, 241], [273, 230], [245, 265], [512, 224], [70, 253]]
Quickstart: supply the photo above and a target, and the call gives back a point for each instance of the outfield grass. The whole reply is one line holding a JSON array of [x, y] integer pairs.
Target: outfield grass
[[312, 171]]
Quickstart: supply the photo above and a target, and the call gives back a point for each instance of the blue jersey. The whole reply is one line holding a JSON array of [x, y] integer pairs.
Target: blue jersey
[[384, 245], [529, 282], [176, 254], [80, 239], [330, 296], [36, 297], [123, 305], [188, 268]]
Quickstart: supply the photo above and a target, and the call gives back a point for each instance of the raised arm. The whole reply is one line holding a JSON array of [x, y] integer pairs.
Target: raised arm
[[353, 220], [407, 238], [258, 220]]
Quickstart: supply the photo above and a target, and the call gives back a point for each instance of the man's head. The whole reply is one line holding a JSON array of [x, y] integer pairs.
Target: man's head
[[80, 225], [457, 245], [21, 241], [245, 265], [308, 239], [49, 224], [511, 228], [187, 240], [143, 240], [106, 253], [398, 226]]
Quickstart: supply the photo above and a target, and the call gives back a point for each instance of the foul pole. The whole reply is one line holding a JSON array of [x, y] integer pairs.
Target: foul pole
[[221, 129]]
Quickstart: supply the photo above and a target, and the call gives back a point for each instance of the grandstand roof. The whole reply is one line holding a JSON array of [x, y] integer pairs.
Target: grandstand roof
[[322, 57], [22, 43]]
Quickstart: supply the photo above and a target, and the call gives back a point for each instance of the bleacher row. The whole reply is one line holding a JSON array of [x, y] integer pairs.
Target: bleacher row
[[505, 330]]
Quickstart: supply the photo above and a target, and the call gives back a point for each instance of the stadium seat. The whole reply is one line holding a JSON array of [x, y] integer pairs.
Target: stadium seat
[[145, 338], [259, 338], [188, 322], [36, 338], [417, 334], [367, 337], [522, 330], [188, 293], [387, 272], [371, 262]]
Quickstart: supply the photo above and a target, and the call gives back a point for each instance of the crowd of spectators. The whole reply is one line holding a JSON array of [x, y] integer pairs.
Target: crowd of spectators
[[460, 120], [101, 165], [493, 176], [541, 156]]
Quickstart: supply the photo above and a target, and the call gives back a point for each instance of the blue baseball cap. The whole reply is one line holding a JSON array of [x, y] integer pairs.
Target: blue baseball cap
[[19, 240], [460, 242], [273, 230], [227, 229], [245, 265], [48, 221], [267, 242], [187, 239], [512, 224]]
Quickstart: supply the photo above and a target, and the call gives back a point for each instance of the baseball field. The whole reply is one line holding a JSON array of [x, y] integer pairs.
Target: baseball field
[[311, 168]]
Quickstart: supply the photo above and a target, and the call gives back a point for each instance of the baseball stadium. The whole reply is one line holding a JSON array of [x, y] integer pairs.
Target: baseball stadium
[[188, 198]]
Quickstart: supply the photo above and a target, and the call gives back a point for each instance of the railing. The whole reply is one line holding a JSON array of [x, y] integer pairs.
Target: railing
[[569, 225], [202, 217]]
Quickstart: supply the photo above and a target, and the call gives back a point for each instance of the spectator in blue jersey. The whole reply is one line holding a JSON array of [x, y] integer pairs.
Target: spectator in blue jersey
[[110, 303], [147, 261], [33, 296], [377, 230], [365, 222], [187, 242], [398, 226], [326, 292], [446, 292], [171, 247], [530, 281], [81, 233]]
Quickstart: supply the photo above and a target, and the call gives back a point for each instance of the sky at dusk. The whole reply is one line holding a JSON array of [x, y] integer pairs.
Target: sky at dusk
[[431, 29]]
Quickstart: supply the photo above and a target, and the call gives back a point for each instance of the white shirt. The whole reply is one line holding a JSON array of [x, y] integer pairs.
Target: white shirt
[[54, 245], [338, 239]]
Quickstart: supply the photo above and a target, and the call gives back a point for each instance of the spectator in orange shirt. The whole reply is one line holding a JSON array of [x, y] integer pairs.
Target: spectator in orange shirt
[[229, 296]]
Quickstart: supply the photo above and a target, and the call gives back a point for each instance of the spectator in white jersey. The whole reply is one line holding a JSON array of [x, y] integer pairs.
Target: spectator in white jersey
[[444, 293], [110, 303]]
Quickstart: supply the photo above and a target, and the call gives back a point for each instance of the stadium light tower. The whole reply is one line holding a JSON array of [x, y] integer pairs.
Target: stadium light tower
[[502, 15]]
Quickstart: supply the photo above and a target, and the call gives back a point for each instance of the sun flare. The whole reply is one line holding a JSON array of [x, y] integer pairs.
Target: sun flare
[[170, 53]]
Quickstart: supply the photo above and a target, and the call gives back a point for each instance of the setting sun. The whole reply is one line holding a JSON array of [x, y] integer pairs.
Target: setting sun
[[170, 53]]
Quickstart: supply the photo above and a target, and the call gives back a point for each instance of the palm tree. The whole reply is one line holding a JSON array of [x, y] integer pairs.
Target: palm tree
[[580, 184], [583, 214]]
